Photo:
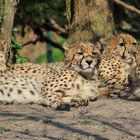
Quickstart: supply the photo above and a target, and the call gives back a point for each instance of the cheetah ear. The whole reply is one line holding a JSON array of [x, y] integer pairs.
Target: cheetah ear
[[99, 45], [66, 46], [103, 42], [67, 57]]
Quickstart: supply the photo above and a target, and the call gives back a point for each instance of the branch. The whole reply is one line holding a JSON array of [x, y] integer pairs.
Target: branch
[[44, 39], [48, 25], [54, 44], [127, 6], [32, 42], [53, 26], [132, 32]]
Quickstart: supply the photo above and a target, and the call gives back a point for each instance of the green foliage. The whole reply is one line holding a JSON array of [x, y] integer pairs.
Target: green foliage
[[21, 59], [57, 56], [15, 46], [34, 14], [41, 59], [37, 10]]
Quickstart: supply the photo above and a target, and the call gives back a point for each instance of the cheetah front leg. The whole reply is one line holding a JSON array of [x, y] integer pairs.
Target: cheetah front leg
[[120, 91], [79, 101], [82, 94], [54, 100]]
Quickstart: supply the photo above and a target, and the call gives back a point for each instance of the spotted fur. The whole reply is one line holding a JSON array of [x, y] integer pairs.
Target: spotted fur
[[117, 62], [58, 88], [135, 76]]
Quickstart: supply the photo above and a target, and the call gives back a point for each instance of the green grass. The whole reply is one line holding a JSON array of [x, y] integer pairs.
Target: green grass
[[104, 128], [40, 59], [57, 56], [87, 121], [2, 129]]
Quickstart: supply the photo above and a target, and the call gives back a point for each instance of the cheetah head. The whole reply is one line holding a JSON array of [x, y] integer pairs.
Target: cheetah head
[[123, 45], [83, 57]]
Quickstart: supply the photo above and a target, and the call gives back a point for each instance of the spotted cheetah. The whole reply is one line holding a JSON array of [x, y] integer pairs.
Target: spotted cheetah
[[59, 89], [117, 61], [77, 57], [135, 76]]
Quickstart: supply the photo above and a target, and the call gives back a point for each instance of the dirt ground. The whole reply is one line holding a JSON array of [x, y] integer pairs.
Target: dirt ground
[[104, 119]]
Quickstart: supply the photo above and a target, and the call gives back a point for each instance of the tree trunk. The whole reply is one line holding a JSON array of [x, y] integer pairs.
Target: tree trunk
[[7, 12], [89, 19]]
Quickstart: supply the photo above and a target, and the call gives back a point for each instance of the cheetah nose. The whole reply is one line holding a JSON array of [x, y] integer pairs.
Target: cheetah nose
[[89, 61]]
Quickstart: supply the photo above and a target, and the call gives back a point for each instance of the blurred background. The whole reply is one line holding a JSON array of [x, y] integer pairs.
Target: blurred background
[[40, 27]]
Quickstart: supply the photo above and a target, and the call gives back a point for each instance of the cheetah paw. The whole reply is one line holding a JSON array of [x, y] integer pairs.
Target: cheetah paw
[[63, 107], [76, 102]]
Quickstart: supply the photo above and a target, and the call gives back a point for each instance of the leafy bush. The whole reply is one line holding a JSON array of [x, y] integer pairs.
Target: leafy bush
[[15, 46]]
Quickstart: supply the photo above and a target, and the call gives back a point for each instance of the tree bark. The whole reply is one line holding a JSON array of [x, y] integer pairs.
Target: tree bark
[[7, 12], [89, 20]]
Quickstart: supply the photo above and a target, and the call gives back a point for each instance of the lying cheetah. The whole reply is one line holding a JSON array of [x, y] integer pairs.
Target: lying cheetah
[[77, 57], [135, 76], [117, 61], [59, 89]]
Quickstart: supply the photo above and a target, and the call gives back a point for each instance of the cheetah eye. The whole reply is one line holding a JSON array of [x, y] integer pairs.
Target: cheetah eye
[[121, 44], [134, 53], [94, 53], [134, 43], [80, 53]]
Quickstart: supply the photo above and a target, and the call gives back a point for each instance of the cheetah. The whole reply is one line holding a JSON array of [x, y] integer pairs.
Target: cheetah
[[77, 57], [117, 62], [60, 89], [135, 76]]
